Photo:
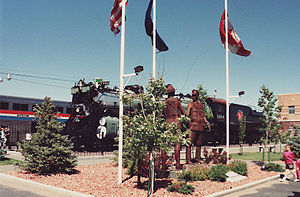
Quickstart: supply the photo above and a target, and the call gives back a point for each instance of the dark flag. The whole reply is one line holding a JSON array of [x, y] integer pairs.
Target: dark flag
[[160, 44]]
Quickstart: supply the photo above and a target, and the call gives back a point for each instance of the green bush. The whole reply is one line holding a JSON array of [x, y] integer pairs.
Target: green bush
[[181, 188], [48, 152], [274, 167], [194, 174], [218, 173], [239, 167]]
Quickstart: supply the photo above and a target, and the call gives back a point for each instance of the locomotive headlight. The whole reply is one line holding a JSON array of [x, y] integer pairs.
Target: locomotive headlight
[[102, 121], [79, 109]]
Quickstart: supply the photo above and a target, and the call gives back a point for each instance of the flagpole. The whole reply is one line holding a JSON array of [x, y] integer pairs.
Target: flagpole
[[227, 82], [154, 76], [121, 93], [154, 40]]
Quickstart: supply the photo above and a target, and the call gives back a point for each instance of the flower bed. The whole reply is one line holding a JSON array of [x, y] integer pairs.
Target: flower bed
[[101, 180]]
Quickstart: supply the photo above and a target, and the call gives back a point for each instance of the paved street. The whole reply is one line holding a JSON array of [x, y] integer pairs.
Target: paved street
[[273, 188], [9, 191]]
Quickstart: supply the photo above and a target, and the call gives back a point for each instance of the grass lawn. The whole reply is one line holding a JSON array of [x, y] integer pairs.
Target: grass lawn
[[257, 156], [8, 161]]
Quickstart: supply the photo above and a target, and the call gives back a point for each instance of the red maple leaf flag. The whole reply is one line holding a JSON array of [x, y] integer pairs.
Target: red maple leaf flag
[[116, 15], [234, 42]]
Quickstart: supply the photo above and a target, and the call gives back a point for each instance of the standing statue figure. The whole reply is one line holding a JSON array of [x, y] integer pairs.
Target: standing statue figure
[[172, 111], [195, 111]]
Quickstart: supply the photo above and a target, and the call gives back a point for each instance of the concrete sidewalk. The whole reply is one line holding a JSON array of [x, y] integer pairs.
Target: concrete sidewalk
[[35, 188], [31, 188]]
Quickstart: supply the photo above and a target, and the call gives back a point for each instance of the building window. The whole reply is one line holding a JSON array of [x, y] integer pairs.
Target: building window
[[3, 105], [291, 109], [20, 107]]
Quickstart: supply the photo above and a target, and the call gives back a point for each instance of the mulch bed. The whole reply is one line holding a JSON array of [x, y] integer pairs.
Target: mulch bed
[[101, 180]]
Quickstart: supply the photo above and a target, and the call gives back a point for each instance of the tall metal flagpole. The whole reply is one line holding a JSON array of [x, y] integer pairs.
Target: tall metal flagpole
[[154, 76], [121, 94], [227, 82], [154, 39]]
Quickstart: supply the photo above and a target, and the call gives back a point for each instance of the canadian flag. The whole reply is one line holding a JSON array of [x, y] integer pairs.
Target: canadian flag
[[234, 42]]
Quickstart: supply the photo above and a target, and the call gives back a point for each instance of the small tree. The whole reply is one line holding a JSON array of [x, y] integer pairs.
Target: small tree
[[145, 130], [48, 151], [203, 98], [294, 139], [270, 125], [242, 132]]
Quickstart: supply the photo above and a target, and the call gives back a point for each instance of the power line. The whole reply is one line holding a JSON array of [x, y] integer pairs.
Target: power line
[[46, 84], [39, 77]]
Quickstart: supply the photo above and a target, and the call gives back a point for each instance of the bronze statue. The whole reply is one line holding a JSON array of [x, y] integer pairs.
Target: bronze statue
[[195, 111], [172, 111]]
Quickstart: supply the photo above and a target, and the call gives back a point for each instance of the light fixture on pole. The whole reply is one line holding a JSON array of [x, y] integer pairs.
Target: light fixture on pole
[[137, 70], [240, 93], [8, 77]]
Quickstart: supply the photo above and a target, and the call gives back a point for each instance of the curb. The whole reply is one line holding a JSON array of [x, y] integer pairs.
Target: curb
[[242, 187], [44, 186]]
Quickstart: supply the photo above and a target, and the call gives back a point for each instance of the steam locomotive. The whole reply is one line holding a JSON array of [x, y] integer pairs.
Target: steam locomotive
[[94, 121]]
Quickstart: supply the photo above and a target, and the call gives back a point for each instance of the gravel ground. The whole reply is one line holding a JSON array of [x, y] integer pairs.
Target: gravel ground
[[101, 180]]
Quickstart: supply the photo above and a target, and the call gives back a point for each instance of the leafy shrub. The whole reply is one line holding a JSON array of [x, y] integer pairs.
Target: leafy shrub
[[2, 154], [194, 174], [215, 157], [218, 173], [239, 167], [273, 167], [181, 188]]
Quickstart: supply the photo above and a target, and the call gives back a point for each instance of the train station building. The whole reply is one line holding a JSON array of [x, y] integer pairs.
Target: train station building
[[290, 113]]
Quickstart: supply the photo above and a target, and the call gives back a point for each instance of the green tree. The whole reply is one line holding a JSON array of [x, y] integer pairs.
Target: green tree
[[242, 132], [203, 98], [145, 130], [294, 139], [48, 151], [270, 125]]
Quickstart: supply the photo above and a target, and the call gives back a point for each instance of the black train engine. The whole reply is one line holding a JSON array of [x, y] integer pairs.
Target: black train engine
[[93, 124], [236, 111], [216, 117]]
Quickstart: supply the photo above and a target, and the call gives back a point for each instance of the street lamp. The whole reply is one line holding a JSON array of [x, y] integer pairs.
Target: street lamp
[[8, 77], [137, 70], [240, 93]]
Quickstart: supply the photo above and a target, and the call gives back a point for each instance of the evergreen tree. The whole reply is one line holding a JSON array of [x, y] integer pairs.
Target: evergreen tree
[[48, 151]]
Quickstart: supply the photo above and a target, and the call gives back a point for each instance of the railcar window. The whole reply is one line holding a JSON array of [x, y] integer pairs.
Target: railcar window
[[20, 107], [3, 105], [70, 110], [60, 109]]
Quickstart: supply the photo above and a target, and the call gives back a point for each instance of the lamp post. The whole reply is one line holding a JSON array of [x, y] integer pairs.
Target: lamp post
[[8, 77], [137, 70], [227, 120]]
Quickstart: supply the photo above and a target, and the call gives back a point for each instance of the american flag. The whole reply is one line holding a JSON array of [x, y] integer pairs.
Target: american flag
[[116, 15]]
